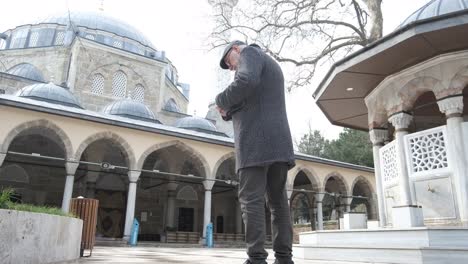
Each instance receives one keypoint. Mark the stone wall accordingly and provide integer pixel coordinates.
(10, 84)
(38, 238)
(92, 58)
(51, 61)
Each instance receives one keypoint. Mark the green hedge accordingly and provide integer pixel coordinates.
(6, 203)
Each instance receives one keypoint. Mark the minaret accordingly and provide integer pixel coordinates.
(223, 77)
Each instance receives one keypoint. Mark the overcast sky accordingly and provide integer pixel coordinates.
(180, 27)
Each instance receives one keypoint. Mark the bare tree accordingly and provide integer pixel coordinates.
(301, 32)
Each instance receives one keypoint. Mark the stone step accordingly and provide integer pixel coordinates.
(381, 255)
(388, 238)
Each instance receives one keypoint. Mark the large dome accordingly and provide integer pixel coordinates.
(436, 8)
(98, 21)
(131, 109)
(196, 123)
(28, 71)
(49, 92)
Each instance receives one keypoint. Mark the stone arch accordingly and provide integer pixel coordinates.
(179, 144)
(410, 92)
(368, 192)
(130, 156)
(14, 173)
(310, 175)
(48, 126)
(457, 84)
(343, 185)
(221, 160)
(365, 180)
(187, 193)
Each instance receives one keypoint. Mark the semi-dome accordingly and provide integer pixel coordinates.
(49, 92)
(98, 21)
(436, 8)
(197, 124)
(131, 109)
(172, 106)
(28, 71)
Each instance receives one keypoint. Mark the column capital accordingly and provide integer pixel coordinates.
(2, 158)
(172, 186)
(133, 175)
(378, 136)
(71, 166)
(347, 200)
(208, 185)
(451, 106)
(319, 197)
(401, 120)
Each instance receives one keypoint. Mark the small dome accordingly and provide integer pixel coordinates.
(436, 8)
(28, 71)
(172, 106)
(131, 109)
(49, 92)
(196, 123)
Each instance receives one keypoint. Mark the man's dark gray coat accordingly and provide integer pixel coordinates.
(261, 130)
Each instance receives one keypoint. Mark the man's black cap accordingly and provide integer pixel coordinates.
(226, 51)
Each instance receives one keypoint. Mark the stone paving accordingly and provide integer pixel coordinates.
(159, 255)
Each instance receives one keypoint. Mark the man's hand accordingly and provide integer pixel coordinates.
(221, 111)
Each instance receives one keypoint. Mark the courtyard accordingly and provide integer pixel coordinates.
(176, 255)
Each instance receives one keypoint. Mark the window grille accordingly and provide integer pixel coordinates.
(117, 43)
(59, 38)
(119, 84)
(139, 93)
(98, 84)
(33, 39)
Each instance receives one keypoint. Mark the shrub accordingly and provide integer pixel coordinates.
(6, 203)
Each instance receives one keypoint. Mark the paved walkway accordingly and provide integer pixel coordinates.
(159, 255)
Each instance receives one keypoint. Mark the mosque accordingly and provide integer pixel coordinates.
(90, 107)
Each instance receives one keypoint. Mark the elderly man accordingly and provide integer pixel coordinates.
(264, 152)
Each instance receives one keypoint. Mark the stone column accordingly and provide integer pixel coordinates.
(2, 158)
(347, 202)
(406, 214)
(70, 167)
(452, 107)
(289, 193)
(378, 137)
(171, 198)
(207, 209)
(130, 213)
(318, 199)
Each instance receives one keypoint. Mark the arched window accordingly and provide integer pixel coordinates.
(59, 38)
(19, 38)
(119, 84)
(98, 84)
(187, 193)
(89, 36)
(139, 93)
(117, 43)
(33, 39)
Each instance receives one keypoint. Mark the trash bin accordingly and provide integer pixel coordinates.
(134, 233)
(86, 209)
(209, 235)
